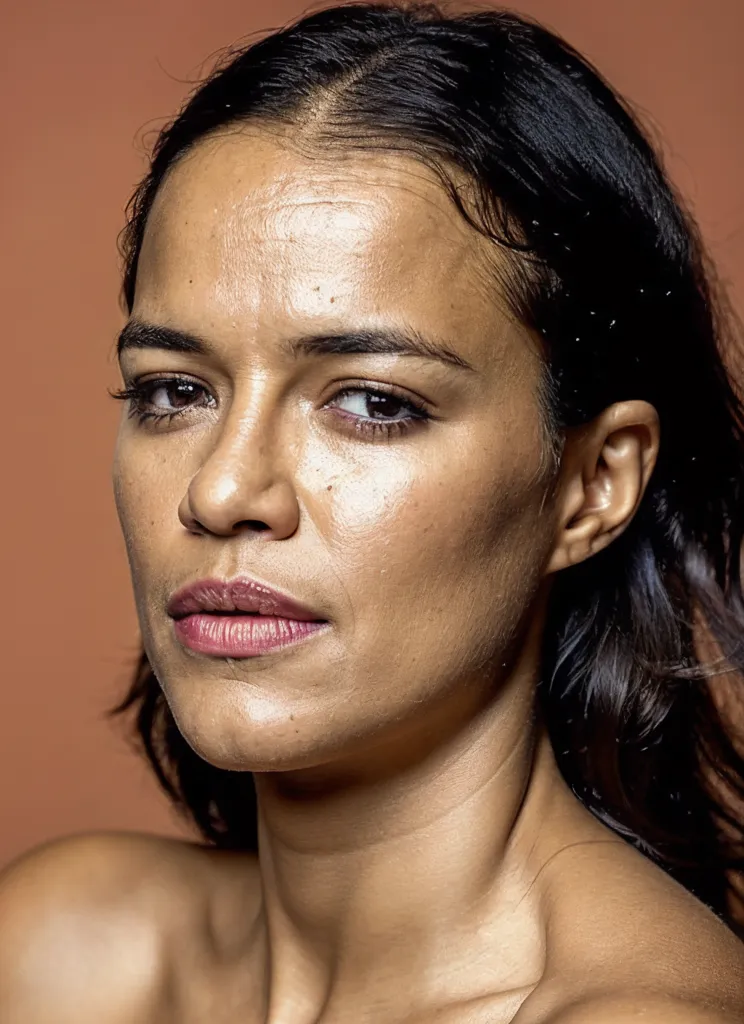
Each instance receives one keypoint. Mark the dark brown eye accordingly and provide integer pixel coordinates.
(164, 399)
(376, 405)
(377, 413)
(167, 396)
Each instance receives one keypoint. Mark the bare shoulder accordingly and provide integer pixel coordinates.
(86, 923)
(629, 943)
(629, 1008)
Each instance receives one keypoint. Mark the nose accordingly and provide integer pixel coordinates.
(243, 484)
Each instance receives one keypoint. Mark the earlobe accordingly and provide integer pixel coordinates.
(579, 540)
(605, 471)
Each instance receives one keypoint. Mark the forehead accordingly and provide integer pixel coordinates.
(248, 229)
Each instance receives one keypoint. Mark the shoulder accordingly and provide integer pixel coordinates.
(83, 927)
(626, 942)
(630, 1008)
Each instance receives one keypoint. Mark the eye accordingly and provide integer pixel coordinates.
(164, 398)
(376, 411)
(374, 404)
(171, 395)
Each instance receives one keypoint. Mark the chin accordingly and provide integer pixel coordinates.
(236, 726)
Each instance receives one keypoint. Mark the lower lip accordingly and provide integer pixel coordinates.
(242, 636)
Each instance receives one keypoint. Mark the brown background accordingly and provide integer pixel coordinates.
(82, 83)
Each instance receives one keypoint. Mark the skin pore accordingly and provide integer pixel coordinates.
(421, 856)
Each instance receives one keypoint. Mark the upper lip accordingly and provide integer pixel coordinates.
(242, 594)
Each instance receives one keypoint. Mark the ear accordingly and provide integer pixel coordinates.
(605, 467)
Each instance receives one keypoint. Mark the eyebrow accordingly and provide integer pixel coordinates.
(138, 334)
(388, 341)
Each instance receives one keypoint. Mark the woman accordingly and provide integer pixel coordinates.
(431, 479)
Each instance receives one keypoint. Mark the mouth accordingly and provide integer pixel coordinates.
(240, 596)
(240, 618)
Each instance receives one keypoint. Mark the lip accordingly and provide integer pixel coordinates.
(241, 594)
(240, 618)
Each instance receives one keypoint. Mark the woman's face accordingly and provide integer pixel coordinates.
(421, 541)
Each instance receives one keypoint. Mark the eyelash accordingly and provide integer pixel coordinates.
(137, 395)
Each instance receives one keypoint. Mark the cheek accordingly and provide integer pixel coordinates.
(443, 557)
(145, 484)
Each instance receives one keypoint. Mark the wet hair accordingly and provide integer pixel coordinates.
(601, 263)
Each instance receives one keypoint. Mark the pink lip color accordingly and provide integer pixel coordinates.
(241, 636)
(239, 618)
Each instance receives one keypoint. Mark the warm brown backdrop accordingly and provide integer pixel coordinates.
(81, 80)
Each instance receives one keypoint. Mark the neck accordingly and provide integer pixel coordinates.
(409, 869)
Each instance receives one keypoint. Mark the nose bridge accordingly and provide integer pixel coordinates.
(244, 476)
(239, 455)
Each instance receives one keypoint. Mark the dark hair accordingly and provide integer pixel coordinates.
(608, 272)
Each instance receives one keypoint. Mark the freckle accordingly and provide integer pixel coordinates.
(329, 487)
(333, 298)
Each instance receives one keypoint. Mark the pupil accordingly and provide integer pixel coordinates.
(182, 392)
(376, 400)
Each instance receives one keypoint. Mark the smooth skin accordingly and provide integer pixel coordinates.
(422, 859)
